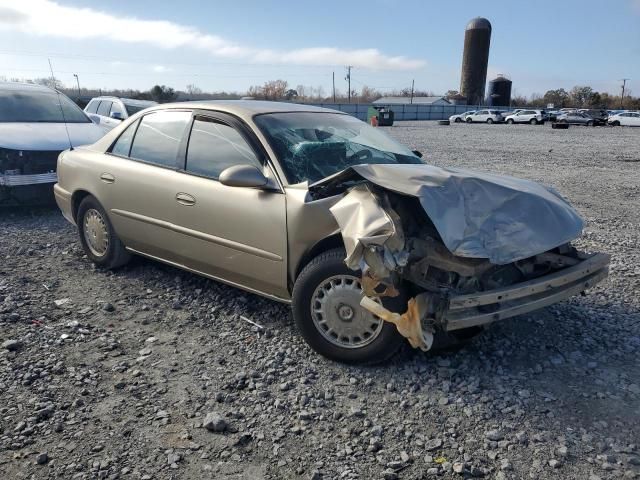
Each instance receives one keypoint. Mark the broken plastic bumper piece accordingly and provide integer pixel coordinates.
(469, 310)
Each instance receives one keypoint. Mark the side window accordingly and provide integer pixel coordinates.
(158, 137)
(115, 107)
(214, 146)
(123, 145)
(93, 106)
(104, 108)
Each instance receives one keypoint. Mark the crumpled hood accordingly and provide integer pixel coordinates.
(480, 215)
(47, 136)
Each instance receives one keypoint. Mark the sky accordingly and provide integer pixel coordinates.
(224, 45)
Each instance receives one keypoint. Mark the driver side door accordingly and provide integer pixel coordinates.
(235, 234)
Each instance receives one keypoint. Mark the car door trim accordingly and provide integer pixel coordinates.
(241, 247)
(213, 277)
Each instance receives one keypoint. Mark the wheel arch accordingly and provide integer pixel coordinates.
(324, 245)
(76, 199)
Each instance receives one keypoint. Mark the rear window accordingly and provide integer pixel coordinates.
(92, 107)
(158, 137)
(38, 107)
(104, 108)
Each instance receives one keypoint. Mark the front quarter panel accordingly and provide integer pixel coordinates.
(308, 223)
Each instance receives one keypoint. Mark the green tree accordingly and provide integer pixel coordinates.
(162, 94)
(581, 95)
(559, 97)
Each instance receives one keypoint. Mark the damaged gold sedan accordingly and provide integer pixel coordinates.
(313, 207)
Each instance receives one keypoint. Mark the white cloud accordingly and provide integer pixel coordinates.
(47, 18)
(160, 69)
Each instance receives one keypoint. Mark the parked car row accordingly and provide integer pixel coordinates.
(588, 117)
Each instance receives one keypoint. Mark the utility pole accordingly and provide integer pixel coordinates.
(333, 79)
(412, 84)
(78, 83)
(624, 83)
(348, 79)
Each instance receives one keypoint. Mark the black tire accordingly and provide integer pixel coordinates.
(533, 121)
(324, 266)
(589, 123)
(510, 121)
(458, 120)
(115, 255)
(615, 123)
(489, 121)
(468, 120)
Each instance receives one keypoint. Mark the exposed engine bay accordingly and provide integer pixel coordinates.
(398, 249)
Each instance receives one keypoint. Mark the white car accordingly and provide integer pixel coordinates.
(108, 112)
(460, 117)
(626, 119)
(36, 124)
(533, 117)
(485, 116)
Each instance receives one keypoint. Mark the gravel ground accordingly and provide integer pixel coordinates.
(151, 372)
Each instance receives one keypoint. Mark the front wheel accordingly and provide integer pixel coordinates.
(469, 120)
(510, 121)
(327, 312)
(458, 120)
(615, 123)
(97, 236)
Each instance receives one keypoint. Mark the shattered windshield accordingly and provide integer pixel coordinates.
(312, 146)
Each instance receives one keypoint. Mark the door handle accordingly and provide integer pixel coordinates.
(107, 178)
(185, 199)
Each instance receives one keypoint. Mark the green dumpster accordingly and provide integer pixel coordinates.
(383, 114)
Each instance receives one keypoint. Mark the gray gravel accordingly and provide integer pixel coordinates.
(150, 372)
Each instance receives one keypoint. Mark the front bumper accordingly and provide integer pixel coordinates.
(22, 180)
(482, 308)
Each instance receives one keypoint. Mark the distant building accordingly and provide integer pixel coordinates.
(416, 100)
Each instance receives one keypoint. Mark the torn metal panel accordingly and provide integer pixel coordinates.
(372, 234)
(477, 215)
(410, 323)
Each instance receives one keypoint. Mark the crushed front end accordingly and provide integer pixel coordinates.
(397, 247)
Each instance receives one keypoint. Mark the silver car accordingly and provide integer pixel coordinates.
(575, 118)
(315, 208)
(108, 112)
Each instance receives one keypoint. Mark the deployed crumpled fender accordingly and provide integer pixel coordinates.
(478, 215)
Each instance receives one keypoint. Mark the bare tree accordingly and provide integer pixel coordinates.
(193, 90)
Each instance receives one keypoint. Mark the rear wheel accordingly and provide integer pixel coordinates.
(97, 236)
(589, 123)
(533, 121)
(327, 312)
(489, 121)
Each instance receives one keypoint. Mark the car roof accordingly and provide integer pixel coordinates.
(245, 108)
(127, 101)
(24, 87)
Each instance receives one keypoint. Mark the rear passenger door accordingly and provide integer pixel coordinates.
(138, 178)
(236, 234)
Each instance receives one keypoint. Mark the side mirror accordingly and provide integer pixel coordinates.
(243, 176)
(417, 153)
(116, 116)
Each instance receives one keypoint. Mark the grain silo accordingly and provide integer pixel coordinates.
(499, 94)
(475, 58)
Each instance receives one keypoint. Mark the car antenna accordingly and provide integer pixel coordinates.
(64, 119)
